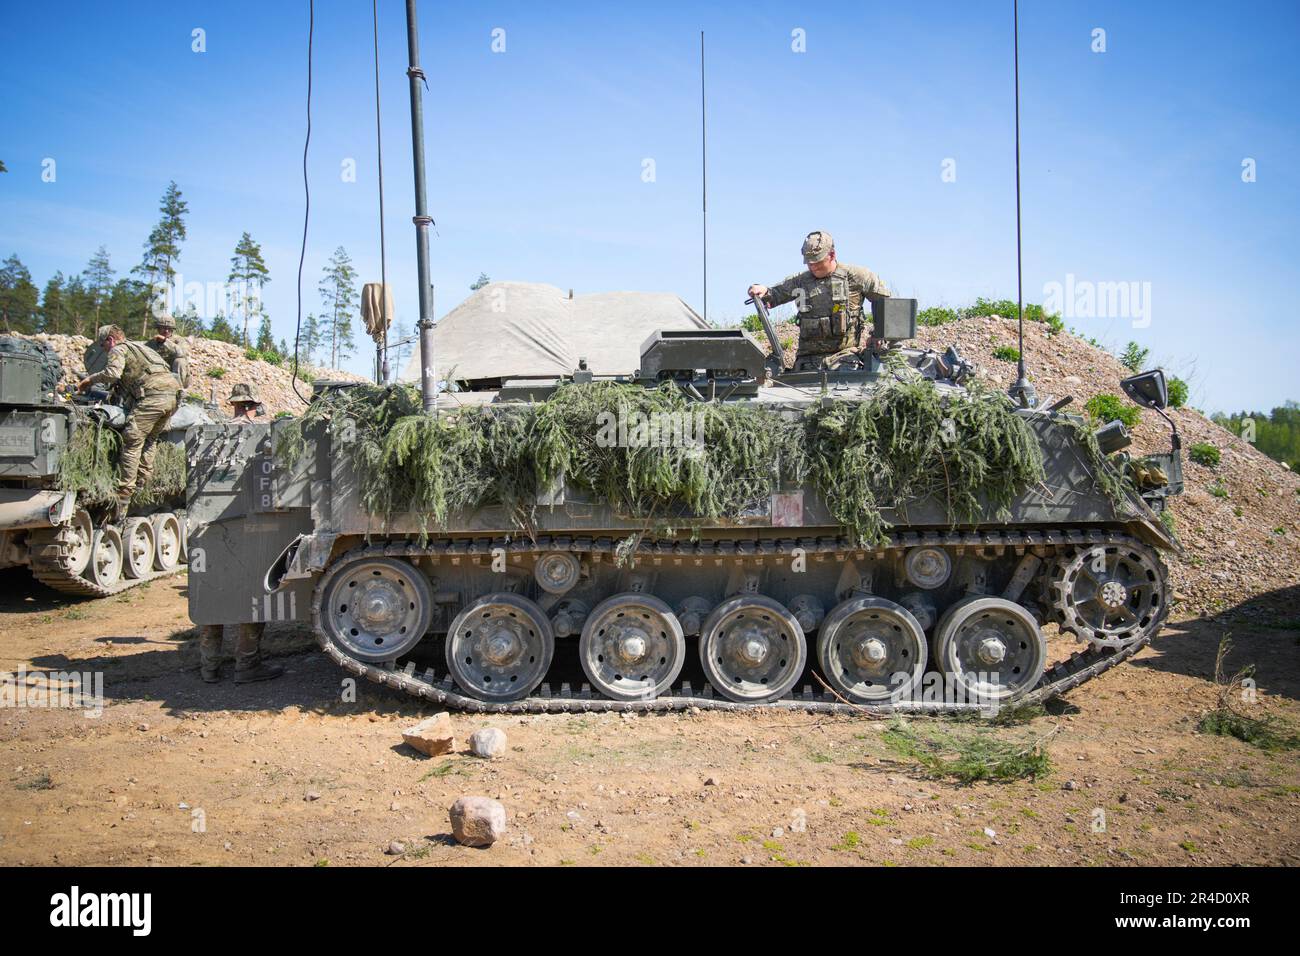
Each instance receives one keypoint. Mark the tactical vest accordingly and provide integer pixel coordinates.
(146, 371)
(830, 316)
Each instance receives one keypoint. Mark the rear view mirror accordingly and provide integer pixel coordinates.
(1147, 389)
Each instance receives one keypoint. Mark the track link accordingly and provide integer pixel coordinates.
(1059, 678)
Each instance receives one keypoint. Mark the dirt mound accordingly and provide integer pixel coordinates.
(1239, 521)
(274, 383)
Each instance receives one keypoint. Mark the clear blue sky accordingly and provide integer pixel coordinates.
(1132, 158)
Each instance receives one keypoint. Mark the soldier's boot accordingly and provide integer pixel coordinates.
(210, 653)
(258, 672)
(120, 509)
(249, 666)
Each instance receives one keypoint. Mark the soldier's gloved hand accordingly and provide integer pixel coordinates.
(757, 291)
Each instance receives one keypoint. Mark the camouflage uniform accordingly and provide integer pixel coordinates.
(830, 309)
(248, 649)
(173, 350)
(248, 646)
(141, 373)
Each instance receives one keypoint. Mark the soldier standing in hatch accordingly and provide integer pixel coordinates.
(141, 374)
(248, 648)
(830, 296)
(172, 348)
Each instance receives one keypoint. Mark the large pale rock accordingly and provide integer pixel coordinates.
(477, 821)
(488, 742)
(432, 736)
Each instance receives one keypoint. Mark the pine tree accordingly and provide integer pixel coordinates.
(222, 330)
(18, 297)
(338, 292)
(78, 307)
(480, 282)
(162, 249)
(53, 306)
(265, 340)
(309, 340)
(248, 273)
(129, 298)
(99, 282)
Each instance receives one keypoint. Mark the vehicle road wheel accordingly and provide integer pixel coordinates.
(632, 647)
(105, 565)
(377, 609)
(752, 649)
(991, 647)
(138, 547)
(81, 540)
(871, 650)
(167, 541)
(500, 647)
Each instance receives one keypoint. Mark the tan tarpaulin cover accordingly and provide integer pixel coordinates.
(520, 329)
(376, 319)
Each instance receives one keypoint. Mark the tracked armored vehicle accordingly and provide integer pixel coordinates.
(555, 587)
(56, 525)
(689, 525)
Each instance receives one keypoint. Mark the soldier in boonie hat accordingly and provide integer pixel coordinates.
(249, 665)
(247, 403)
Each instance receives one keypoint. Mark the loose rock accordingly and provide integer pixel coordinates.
(488, 742)
(432, 736)
(477, 821)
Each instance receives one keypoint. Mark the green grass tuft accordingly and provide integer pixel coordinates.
(967, 757)
(1203, 453)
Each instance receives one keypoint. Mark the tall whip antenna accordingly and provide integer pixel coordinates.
(1022, 391)
(704, 181)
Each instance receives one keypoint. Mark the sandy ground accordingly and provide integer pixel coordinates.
(180, 772)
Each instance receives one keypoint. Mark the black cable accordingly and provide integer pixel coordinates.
(306, 189)
(383, 262)
(1020, 305)
(704, 181)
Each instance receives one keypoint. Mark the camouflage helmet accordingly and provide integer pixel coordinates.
(164, 321)
(817, 245)
(244, 394)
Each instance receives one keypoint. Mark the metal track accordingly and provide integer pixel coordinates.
(50, 565)
(1059, 678)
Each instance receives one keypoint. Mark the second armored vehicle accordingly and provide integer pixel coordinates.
(55, 485)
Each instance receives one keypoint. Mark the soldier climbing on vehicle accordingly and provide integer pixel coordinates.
(144, 377)
(829, 296)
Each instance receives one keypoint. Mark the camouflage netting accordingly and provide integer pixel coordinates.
(909, 442)
(89, 467)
